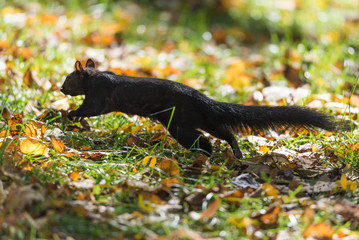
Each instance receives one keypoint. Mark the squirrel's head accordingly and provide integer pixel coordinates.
(76, 82)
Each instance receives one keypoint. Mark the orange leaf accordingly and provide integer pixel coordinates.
(211, 210)
(74, 176)
(26, 53)
(319, 231)
(270, 190)
(268, 216)
(354, 147)
(170, 166)
(264, 149)
(58, 144)
(168, 182)
(33, 146)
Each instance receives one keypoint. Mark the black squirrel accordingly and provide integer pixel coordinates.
(180, 108)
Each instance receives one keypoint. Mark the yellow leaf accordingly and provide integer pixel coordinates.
(136, 129)
(146, 160)
(344, 181)
(153, 162)
(14, 123)
(127, 128)
(156, 127)
(33, 146)
(314, 148)
(264, 149)
(353, 185)
(35, 129)
(142, 205)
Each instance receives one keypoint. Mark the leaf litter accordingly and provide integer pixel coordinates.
(44, 175)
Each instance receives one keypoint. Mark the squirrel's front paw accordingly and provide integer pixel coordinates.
(72, 116)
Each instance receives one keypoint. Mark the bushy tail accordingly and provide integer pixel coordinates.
(240, 117)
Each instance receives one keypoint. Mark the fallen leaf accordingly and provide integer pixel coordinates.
(170, 166)
(135, 140)
(270, 190)
(35, 129)
(264, 149)
(268, 216)
(244, 181)
(319, 231)
(58, 144)
(15, 123)
(344, 181)
(33, 146)
(74, 175)
(183, 234)
(6, 113)
(168, 182)
(28, 79)
(211, 210)
(20, 197)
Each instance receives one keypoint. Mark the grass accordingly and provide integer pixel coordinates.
(206, 47)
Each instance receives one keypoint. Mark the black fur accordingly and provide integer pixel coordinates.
(151, 97)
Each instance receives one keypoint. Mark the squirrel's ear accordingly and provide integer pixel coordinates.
(90, 63)
(78, 66)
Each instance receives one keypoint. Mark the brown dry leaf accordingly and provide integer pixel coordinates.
(234, 196)
(33, 146)
(6, 113)
(58, 144)
(28, 79)
(151, 197)
(95, 156)
(135, 140)
(211, 210)
(183, 234)
(21, 197)
(35, 129)
(270, 215)
(292, 75)
(74, 175)
(230, 159)
(319, 231)
(350, 212)
(308, 215)
(168, 182)
(170, 166)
